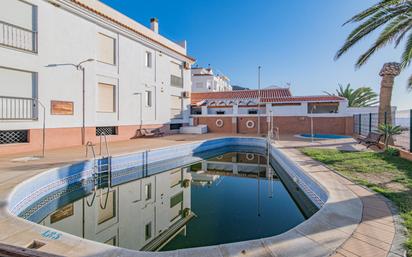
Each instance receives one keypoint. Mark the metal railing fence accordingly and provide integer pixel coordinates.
(18, 108)
(17, 37)
(365, 123)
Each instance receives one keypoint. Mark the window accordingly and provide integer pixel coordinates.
(106, 98)
(148, 96)
(148, 231)
(199, 85)
(111, 241)
(175, 177)
(19, 24)
(106, 49)
(323, 107)
(176, 206)
(110, 211)
(176, 77)
(220, 112)
(252, 112)
(16, 88)
(148, 60)
(176, 126)
(148, 191)
(176, 107)
(195, 111)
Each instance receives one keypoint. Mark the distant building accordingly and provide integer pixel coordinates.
(204, 80)
(238, 111)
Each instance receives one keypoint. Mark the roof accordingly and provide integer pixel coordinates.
(241, 94)
(320, 98)
(273, 95)
(114, 16)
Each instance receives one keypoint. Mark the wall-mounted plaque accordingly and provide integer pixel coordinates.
(62, 108)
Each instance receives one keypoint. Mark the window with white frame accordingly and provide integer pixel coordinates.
(176, 74)
(176, 107)
(199, 85)
(148, 97)
(18, 25)
(106, 94)
(148, 231)
(148, 191)
(148, 59)
(106, 49)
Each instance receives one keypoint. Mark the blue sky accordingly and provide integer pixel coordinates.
(293, 41)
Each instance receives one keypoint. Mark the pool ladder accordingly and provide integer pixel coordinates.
(96, 167)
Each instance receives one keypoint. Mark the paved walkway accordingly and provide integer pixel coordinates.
(374, 236)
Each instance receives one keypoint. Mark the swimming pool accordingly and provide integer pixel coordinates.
(324, 136)
(161, 199)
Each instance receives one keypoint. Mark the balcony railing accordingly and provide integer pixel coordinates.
(17, 37)
(18, 108)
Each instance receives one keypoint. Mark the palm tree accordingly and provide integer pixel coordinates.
(396, 15)
(389, 131)
(360, 97)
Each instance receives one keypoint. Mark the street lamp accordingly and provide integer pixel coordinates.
(258, 123)
(79, 67)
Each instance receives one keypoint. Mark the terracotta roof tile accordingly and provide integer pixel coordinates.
(241, 94)
(321, 98)
(278, 95)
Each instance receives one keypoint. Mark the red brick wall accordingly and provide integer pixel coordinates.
(286, 124)
(227, 127)
(67, 137)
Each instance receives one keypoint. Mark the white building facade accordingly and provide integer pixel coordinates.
(204, 80)
(133, 76)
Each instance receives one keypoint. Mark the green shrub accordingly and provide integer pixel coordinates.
(392, 151)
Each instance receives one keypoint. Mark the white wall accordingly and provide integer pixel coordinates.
(67, 37)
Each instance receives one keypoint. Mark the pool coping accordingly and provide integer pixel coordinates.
(320, 235)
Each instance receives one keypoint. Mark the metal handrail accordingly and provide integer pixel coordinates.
(16, 26)
(103, 136)
(90, 145)
(18, 108)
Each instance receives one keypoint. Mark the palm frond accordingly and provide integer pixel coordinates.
(389, 34)
(372, 10)
(407, 53)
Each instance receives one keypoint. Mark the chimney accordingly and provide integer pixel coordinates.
(154, 25)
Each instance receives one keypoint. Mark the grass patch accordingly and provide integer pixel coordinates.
(388, 175)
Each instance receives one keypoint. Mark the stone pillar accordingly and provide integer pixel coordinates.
(388, 73)
(204, 110)
(235, 109)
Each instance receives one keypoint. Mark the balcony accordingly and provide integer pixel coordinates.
(18, 108)
(17, 37)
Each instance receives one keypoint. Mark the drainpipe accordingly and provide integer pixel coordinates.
(83, 105)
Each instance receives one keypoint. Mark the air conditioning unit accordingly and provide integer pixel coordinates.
(186, 65)
(185, 94)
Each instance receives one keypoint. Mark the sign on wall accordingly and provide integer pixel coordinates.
(62, 108)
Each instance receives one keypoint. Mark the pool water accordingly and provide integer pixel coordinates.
(324, 136)
(231, 197)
